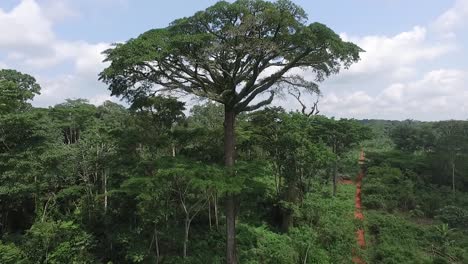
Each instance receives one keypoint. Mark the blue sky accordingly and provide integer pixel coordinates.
(414, 67)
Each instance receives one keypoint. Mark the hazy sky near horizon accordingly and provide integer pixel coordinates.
(415, 65)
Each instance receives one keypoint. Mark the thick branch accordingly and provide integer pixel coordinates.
(259, 105)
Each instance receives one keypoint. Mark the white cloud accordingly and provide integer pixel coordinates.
(30, 44)
(101, 98)
(59, 10)
(396, 54)
(86, 58)
(71, 86)
(90, 57)
(25, 28)
(401, 76)
(453, 19)
(28, 38)
(439, 94)
(398, 77)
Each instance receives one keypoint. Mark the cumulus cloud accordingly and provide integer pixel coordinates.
(71, 86)
(30, 40)
(439, 94)
(453, 19)
(29, 43)
(25, 28)
(400, 76)
(397, 54)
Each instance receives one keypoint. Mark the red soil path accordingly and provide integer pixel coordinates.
(360, 236)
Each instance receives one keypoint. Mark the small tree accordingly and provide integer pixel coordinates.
(340, 135)
(231, 53)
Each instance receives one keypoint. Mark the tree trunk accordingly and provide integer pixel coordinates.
(186, 235)
(157, 244)
(335, 171)
(290, 199)
(216, 210)
(105, 189)
(453, 176)
(209, 210)
(229, 159)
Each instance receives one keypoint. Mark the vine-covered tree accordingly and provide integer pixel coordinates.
(231, 53)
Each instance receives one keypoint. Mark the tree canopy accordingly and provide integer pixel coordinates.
(229, 53)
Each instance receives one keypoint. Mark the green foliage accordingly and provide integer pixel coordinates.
(11, 254)
(16, 89)
(261, 245)
(454, 216)
(387, 188)
(184, 52)
(104, 184)
(409, 138)
(340, 135)
(212, 55)
(394, 240)
(307, 243)
(331, 218)
(58, 242)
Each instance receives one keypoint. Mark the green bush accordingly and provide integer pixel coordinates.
(11, 254)
(260, 245)
(454, 216)
(332, 220)
(394, 240)
(389, 189)
(306, 243)
(58, 242)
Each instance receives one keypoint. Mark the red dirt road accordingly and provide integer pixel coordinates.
(360, 236)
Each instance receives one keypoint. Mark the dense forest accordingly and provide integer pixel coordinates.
(145, 184)
(231, 179)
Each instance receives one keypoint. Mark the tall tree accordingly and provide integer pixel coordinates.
(16, 89)
(451, 144)
(412, 136)
(231, 53)
(295, 154)
(22, 136)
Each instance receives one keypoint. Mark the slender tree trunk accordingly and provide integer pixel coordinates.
(216, 210)
(229, 159)
(4, 221)
(453, 176)
(44, 213)
(105, 189)
(335, 171)
(306, 254)
(209, 210)
(96, 166)
(186, 235)
(157, 244)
